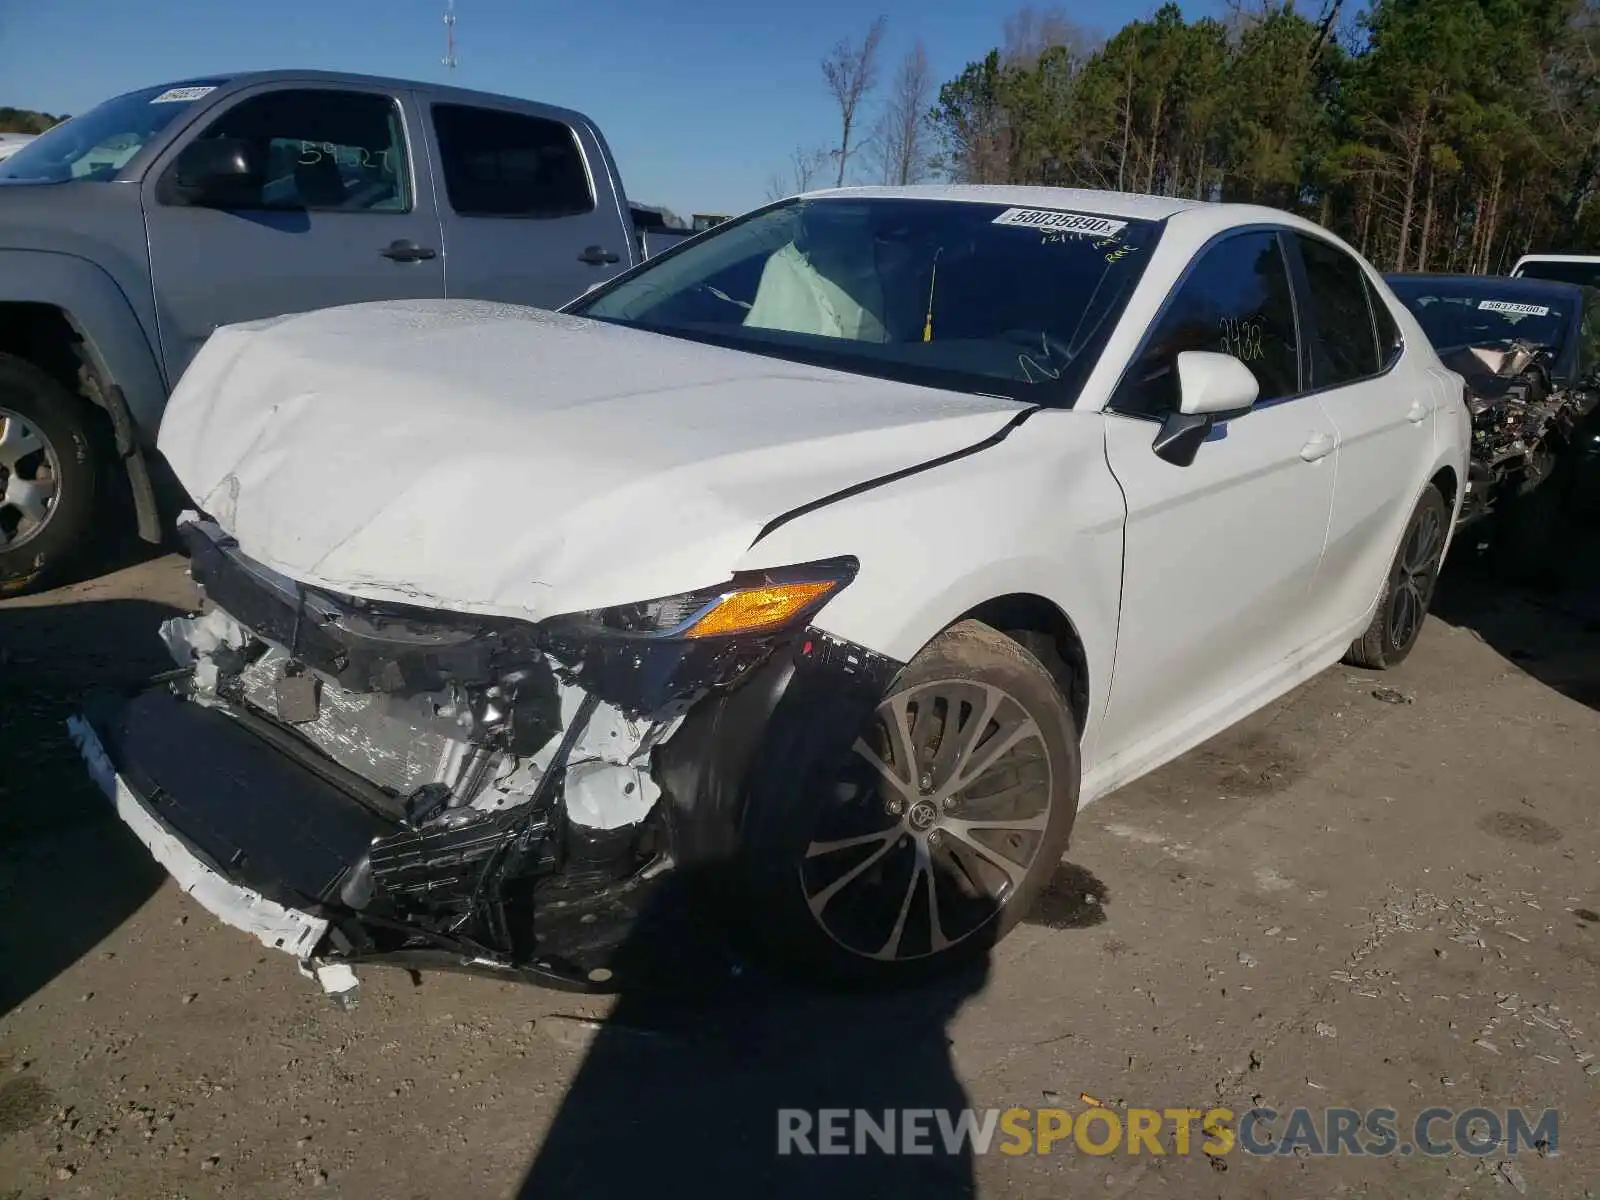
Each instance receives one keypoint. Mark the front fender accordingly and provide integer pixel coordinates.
(1037, 513)
(99, 310)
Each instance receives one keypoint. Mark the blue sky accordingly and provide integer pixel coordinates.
(702, 100)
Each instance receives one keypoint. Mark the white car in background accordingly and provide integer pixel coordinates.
(1582, 269)
(835, 557)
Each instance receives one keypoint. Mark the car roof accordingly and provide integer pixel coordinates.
(1200, 217)
(1505, 285)
(1576, 258)
(1127, 205)
(238, 79)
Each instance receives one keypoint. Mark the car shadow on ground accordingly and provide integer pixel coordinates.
(687, 1081)
(1553, 635)
(70, 873)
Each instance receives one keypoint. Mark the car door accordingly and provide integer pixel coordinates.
(1382, 405)
(338, 217)
(530, 216)
(1219, 555)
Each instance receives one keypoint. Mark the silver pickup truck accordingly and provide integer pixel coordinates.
(129, 233)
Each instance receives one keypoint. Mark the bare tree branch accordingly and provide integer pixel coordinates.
(851, 72)
(804, 166)
(903, 144)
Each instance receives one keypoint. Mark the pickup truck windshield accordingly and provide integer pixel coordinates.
(975, 297)
(96, 145)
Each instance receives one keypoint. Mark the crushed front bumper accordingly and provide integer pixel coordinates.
(270, 836)
(275, 926)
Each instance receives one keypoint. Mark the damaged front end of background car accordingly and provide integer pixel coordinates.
(1524, 425)
(362, 782)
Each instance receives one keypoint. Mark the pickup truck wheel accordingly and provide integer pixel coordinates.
(945, 825)
(47, 477)
(1407, 589)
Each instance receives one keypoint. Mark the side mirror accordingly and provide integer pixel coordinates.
(1210, 385)
(219, 173)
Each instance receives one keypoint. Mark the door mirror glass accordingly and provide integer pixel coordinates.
(218, 172)
(1210, 384)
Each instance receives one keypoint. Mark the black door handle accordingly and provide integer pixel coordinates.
(595, 256)
(406, 251)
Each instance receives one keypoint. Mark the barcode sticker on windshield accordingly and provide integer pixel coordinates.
(1521, 310)
(1056, 220)
(182, 95)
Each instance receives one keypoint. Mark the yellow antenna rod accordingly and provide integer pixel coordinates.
(933, 282)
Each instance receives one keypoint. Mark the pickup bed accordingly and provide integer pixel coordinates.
(130, 233)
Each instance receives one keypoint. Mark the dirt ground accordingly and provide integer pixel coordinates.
(1355, 898)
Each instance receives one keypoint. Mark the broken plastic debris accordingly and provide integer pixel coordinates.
(1390, 696)
(1508, 1171)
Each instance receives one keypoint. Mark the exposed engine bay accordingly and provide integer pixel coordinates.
(390, 783)
(1521, 420)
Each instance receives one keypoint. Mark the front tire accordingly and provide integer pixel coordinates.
(948, 820)
(1407, 589)
(48, 477)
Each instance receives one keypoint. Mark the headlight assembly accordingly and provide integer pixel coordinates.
(756, 603)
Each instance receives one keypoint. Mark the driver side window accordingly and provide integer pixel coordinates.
(1236, 300)
(324, 151)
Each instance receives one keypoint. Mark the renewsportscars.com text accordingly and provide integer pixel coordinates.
(1377, 1132)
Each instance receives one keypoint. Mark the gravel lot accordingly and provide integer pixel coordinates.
(1351, 899)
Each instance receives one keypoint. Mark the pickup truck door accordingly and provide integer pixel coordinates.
(344, 213)
(529, 202)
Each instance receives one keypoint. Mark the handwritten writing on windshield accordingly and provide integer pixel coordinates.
(1114, 250)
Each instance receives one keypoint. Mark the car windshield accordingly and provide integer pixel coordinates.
(96, 145)
(982, 298)
(1478, 312)
(1562, 271)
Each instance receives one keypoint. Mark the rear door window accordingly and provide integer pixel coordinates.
(1390, 343)
(1236, 300)
(505, 164)
(1346, 347)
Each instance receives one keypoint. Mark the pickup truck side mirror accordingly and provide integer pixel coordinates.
(219, 173)
(1211, 386)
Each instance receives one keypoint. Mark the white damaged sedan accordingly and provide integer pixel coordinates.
(830, 561)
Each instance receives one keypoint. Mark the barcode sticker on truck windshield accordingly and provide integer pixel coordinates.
(1517, 310)
(182, 95)
(1055, 220)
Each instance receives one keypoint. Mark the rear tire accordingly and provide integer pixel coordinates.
(48, 477)
(1407, 588)
(897, 877)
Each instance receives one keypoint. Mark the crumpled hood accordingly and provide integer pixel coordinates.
(496, 459)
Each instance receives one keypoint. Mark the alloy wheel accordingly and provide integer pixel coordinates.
(933, 825)
(29, 480)
(1416, 572)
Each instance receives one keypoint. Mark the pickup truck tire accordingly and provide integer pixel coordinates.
(48, 477)
(1407, 588)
